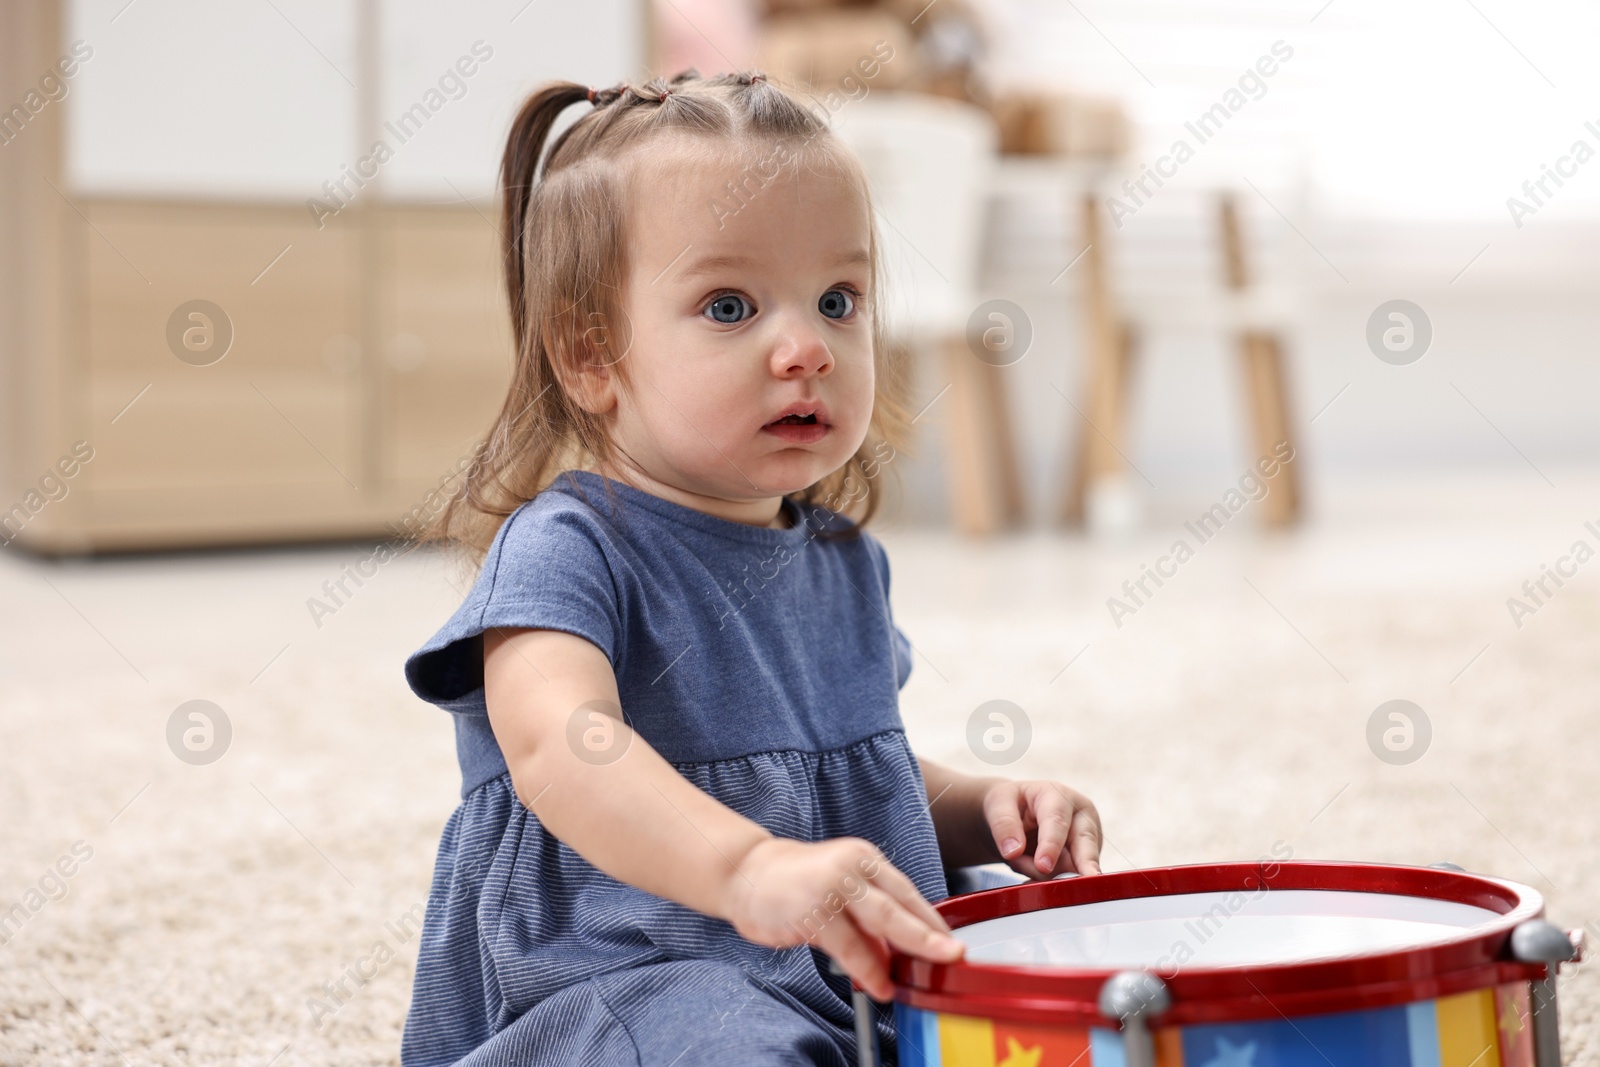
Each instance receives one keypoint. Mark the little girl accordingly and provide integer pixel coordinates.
(685, 782)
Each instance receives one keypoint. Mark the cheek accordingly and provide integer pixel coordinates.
(858, 382)
(680, 396)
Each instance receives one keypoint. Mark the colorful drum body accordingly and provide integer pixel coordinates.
(1260, 965)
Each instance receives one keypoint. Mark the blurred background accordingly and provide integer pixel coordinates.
(1305, 288)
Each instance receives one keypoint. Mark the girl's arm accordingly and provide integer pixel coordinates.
(640, 821)
(1029, 825)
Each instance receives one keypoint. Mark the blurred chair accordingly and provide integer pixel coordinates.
(1173, 285)
(1259, 316)
(930, 163)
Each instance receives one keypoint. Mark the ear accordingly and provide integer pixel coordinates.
(591, 375)
(591, 385)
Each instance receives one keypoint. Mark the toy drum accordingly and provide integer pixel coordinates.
(1240, 965)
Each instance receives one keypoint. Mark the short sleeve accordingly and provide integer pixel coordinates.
(546, 569)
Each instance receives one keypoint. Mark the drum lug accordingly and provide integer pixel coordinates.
(866, 1027)
(1130, 997)
(1537, 941)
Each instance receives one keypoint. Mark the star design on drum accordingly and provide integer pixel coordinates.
(1510, 1020)
(1231, 1055)
(1017, 1056)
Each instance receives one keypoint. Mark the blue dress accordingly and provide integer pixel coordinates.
(764, 664)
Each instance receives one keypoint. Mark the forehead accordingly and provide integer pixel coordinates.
(763, 202)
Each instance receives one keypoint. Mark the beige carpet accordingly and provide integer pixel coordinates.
(219, 904)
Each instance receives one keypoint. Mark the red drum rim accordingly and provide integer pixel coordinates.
(1069, 996)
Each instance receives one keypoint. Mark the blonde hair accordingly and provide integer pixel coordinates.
(566, 257)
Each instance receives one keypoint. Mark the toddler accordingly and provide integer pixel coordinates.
(686, 787)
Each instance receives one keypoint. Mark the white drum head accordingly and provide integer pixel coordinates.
(1233, 929)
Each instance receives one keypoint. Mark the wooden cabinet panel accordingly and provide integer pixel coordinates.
(447, 337)
(366, 358)
(281, 406)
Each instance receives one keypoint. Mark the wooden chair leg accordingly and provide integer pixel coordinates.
(1100, 427)
(974, 496)
(1263, 359)
(1006, 467)
(1262, 356)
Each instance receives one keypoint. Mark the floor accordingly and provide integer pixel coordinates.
(254, 910)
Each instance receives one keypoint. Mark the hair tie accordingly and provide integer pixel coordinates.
(591, 94)
(664, 94)
(757, 77)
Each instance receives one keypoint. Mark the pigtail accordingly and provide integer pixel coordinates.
(518, 173)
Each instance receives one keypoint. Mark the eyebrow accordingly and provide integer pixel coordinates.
(711, 264)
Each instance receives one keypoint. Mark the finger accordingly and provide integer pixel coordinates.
(1052, 809)
(879, 913)
(857, 956)
(1002, 811)
(1023, 864)
(889, 878)
(1085, 841)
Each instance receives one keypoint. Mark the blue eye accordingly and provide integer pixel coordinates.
(729, 308)
(836, 303)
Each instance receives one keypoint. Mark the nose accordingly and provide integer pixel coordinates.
(801, 353)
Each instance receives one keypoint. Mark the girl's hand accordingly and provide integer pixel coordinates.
(841, 896)
(1043, 828)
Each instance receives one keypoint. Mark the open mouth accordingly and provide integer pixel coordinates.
(800, 426)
